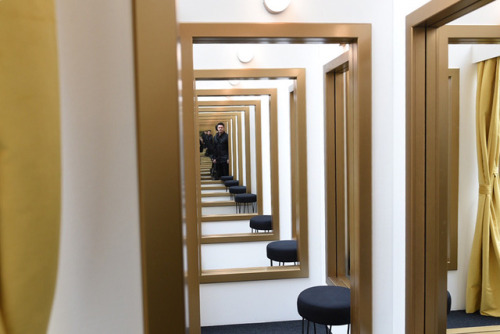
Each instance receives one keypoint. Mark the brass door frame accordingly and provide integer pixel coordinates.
(359, 38)
(426, 93)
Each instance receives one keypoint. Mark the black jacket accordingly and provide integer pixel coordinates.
(221, 148)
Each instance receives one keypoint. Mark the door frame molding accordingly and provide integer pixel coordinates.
(426, 93)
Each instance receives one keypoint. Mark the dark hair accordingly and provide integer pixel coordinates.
(217, 126)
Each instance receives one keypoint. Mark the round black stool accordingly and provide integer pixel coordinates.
(243, 201)
(231, 183)
(261, 223)
(237, 190)
(325, 305)
(282, 251)
(226, 178)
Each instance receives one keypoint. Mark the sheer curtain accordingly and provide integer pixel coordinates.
(29, 165)
(483, 281)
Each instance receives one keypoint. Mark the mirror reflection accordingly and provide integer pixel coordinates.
(224, 229)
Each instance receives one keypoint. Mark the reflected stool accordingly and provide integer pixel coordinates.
(231, 183)
(226, 178)
(448, 303)
(237, 190)
(326, 305)
(261, 223)
(245, 201)
(282, 251)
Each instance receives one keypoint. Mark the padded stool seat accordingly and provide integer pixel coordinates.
(244, 200)
(226, 178)
(261, 223)
(237, 190)
(231, 183)
(326, 305)
(282, 251)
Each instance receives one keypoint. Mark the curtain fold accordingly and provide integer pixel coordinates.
(483, 280)
(30, 168)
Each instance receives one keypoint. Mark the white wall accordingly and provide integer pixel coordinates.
(99, 279)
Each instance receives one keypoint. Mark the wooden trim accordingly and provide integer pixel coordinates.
(453, 164)
(427, 212)
(161, 244)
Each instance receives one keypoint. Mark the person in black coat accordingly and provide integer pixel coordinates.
(220, 155)
(209, 143)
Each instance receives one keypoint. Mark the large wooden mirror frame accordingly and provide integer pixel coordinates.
(208, 118)
(426, 206)
(273, 136)
(245, 105)
(359, 38)
(232, 121)
(260, 273)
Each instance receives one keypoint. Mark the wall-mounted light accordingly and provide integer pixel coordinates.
(245, 54)
(276, 6)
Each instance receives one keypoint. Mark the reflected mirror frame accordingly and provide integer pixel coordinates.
(233, 128)
(275, 234)
(243, 114)
(426, 93)
(359, 36)
(218, 112)
(297, 74)
(245, 104)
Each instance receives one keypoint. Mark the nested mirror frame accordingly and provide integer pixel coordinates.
(246, 179)
(359, 38)
(207, 118)
(232, 124)
(426, 199)
(259, 273)
(245, 105)
(272, 94)
(298, 155)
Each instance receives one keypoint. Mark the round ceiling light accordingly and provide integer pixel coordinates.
(276, 6)
(245, 54)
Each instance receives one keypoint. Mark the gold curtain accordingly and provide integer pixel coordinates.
(29, 165)
(483, 281)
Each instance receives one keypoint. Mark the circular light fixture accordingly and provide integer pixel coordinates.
(276, 6)
(245, 54)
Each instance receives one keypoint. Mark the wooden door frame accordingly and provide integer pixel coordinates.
(426, 94)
